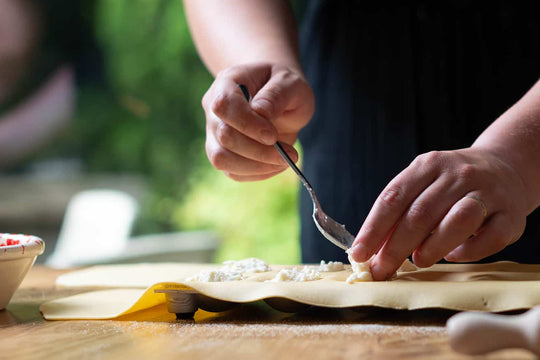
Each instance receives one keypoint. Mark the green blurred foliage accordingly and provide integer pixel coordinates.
(149, 121)
(256, 219)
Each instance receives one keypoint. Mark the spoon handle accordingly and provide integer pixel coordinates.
(293, 166)
(280, 149)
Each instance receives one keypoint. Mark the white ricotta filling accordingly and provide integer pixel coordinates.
(361, 271)
(216, 275)
(407, 266)
(237, 270)
(231, 271)
(305, 274)
(331, 266)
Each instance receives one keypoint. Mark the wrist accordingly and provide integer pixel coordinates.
(515, 163)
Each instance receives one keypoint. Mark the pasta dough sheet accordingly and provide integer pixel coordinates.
(493, 287)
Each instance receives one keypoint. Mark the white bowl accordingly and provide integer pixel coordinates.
(17, 255)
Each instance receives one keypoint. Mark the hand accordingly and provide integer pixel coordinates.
(462, 205)
(240, 135)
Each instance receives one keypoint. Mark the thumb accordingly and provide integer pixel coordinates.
(285, 91)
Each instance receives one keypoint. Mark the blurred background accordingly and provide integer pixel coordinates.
(105, 95)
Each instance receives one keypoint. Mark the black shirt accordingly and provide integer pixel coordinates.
(396, 79)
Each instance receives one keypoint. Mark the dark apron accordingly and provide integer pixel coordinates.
(396, 80)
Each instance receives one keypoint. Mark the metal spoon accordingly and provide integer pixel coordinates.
(331, 229)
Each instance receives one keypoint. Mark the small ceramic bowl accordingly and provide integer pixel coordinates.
(17, 255)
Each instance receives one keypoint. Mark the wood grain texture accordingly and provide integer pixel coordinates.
(246, 332)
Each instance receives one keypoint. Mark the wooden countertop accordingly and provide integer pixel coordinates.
(247, 332)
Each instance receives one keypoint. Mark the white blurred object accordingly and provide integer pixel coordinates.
(96, 230)
(183, 246)
(97, 225)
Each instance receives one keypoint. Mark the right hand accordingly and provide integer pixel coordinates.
(240, 135)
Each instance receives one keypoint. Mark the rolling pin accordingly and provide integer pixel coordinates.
(480, 333)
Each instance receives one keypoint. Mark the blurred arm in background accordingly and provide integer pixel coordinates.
(38, 118)
(35, 118)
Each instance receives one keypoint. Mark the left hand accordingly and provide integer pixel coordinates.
(462, 205)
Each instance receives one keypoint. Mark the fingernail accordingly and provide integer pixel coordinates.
(451, 256)
(267, 137)
(357, 252)
(454, 255)
(378, 272)
(375, 269)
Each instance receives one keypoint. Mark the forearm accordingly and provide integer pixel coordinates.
(38, 118)
(233, 32)
(515, 137)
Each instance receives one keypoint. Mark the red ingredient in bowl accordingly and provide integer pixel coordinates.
(10, 242)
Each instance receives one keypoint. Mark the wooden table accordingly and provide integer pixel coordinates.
(252, 331)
